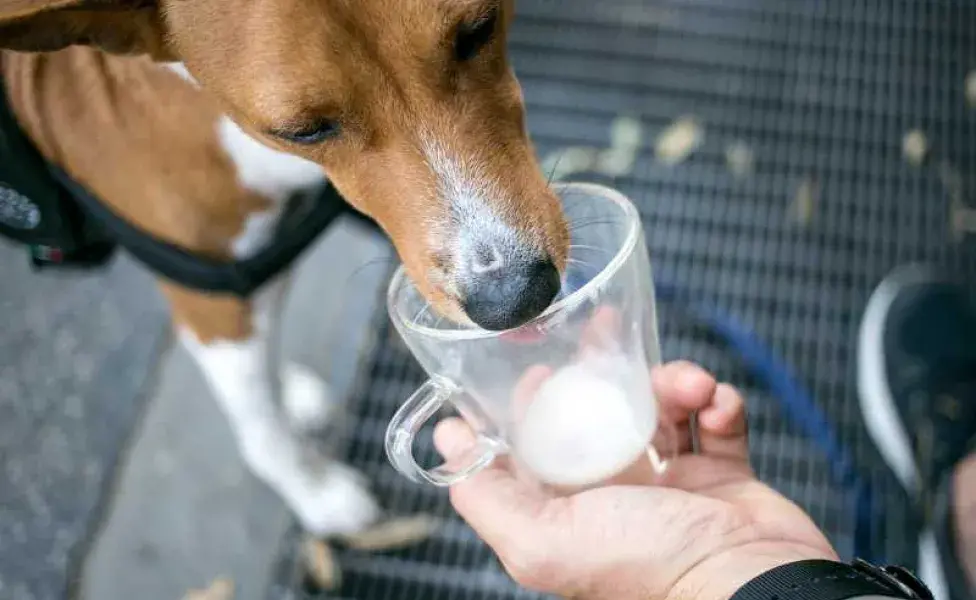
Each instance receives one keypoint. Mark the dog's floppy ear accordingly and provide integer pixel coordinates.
(118, 26)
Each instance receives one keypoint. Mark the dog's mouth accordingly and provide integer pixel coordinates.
(498, 296)
(493, 272)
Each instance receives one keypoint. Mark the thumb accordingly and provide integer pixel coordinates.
(503, 510)
(453, 438)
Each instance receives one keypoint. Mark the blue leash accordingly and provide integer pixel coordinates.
(797, 404)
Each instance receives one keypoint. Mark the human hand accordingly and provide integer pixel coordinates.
(705, 530)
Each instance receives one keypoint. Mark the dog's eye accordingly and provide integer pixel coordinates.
(312, 134)
(472, 37)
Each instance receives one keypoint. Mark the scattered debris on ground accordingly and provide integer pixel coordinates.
(915, 147)
(962, 219)
(970, 88)
(569, 161)
(678, 141)
(394, 533)
(739, 158)
(320, 565)
(673, 146)
(626, 134)
(804, 202)
(617, 160)
(219, 589)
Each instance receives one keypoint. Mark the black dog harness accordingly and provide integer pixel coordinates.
(64, 225)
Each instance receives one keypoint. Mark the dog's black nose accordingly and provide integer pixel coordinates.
(505, 292)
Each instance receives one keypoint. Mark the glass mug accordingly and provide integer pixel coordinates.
(567, 397)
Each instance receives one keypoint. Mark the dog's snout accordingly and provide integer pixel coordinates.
(487, 259)
(502, 292)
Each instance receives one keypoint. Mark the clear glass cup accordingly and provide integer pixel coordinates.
(567, 397)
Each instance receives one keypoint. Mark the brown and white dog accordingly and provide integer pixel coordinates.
(195, 119)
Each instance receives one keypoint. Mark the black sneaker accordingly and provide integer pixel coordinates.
(917, 388)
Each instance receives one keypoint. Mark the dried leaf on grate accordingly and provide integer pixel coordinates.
(394, 533)
(804, 202)
(970, 88)
(321, 567)
(678, 141)
(619, 159)
(562, 163)
(219, 589)
(915, 147)
(739, 159)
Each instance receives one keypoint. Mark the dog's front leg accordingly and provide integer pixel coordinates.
(236, 345)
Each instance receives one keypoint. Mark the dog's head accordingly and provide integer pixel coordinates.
(410, 106)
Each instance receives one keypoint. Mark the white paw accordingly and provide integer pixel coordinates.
(306, 398)
(338, 503)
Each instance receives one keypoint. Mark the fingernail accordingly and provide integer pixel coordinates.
(452, 438)
(728, 400)
(709, 419)
(722, 402)
(688, 378)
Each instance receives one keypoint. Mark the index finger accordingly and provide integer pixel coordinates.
(494, 502)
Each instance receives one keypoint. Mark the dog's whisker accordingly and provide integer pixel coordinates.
(588, 247)
(422, 312)
(555, 168)
(575, 197)
(576, 226)
(580, 263)
(375, 262)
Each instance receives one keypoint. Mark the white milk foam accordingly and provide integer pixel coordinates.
(582, 429)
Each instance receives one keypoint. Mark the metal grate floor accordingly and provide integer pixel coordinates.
(821, 92)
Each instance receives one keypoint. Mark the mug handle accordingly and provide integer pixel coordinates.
(408, 421)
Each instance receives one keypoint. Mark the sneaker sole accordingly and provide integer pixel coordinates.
(881, 418)
(877, 404)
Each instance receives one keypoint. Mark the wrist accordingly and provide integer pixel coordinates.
(720, 576)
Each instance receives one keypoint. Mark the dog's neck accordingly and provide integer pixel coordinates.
(110, 103)
(264, 170)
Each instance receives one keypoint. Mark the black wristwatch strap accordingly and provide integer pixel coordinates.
(828, 580)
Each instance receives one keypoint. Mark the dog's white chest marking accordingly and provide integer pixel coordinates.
(273, 174)
(268, 172)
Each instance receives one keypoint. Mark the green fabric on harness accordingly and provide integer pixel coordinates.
(35, 210)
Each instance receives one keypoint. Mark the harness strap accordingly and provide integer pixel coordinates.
(66, 225)
(300, 227)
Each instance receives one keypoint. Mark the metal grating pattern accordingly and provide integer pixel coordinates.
(821, 91)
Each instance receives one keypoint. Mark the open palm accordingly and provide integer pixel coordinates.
(701, 531)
